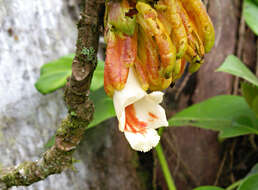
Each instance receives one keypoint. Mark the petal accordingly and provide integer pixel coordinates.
(150, 112)
(131, 93)
(156, 96)
(143, 141)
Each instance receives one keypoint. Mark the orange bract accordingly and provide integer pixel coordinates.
(120, 55)
(176, 29)
(147, 18)
(141, 72)
(198, 13)
(162, 35)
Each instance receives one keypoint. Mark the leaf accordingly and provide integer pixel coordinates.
(98, 77)
(254, 170)
(50, 82)
(104, 108)
(230, 115)
(250, 94)
(208, 188)
(235, 67)
(250, 13)
(53, 75)
(250, 183)
(62, 64)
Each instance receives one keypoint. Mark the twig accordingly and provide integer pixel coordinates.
(239, 50)
(182, 163)
(220, 170)
(70, 133)
(252, 141)
(182, 86)
(231, 153)
(256, 58)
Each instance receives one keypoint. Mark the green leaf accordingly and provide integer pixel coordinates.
(104, 108)
(208, 188)
(250, 94)
(60, 65)
(230, 115)
(50, 82)
(254, 170)
(235, 67)
(250, 13)
(98, 77)
(250, 183)
(53, 75)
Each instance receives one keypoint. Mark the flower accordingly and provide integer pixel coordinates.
(139, 114)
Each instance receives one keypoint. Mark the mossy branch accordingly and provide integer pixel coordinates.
(70, 133)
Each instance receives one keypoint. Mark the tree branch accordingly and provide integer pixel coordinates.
(70, 133)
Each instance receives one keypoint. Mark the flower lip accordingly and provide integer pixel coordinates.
(143, 142)
(139, 114)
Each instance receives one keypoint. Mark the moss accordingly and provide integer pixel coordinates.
(89, 53)
(63, 129)
(73, 113)
(69, 125)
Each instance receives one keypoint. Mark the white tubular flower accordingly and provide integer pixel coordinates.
(139, 114)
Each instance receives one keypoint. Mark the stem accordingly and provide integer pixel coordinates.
(234, 185)
(164, 165)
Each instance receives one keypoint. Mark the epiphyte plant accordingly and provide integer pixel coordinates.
(148, 45)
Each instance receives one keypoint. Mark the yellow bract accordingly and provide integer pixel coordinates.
(156, 38)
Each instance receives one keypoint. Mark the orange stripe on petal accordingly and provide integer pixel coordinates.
(153, 115)
(132, 124)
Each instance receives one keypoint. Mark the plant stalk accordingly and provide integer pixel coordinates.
(164, 165)
(234, 185)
